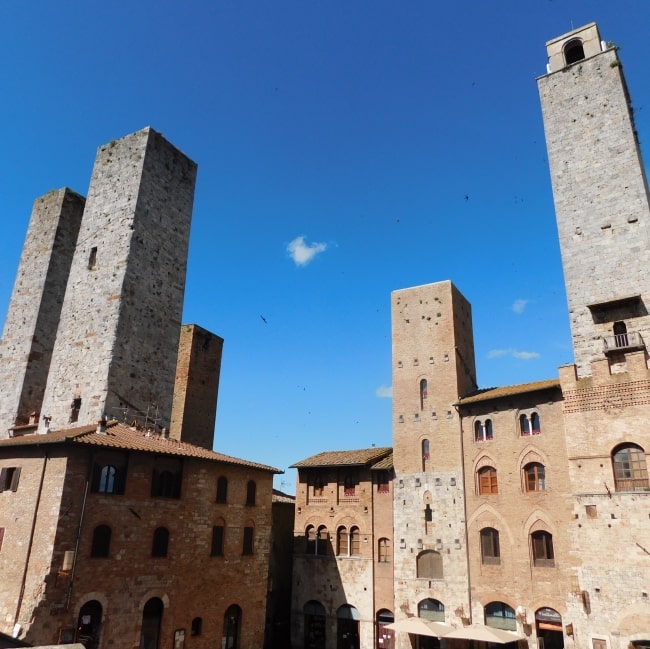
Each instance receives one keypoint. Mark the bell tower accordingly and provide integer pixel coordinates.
(601, 197)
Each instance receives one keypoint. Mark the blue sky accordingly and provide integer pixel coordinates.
(345, 150)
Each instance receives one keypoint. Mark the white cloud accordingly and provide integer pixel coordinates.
(518, 306)
(384, 392)
(302, 253)
(522, 356)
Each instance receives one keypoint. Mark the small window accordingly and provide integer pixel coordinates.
(342, 542)
(630, 469)
(429, 565)
(247, 548)
(383, 551)
(490, 552)
(9, 477)
(322, 541)
(428, 513)
(109, 474)
(524, 425)
(197, 626)
(216, 547)
(75, 407)
(535, 477)
(349, 485)
(318, 487)
(483, 430)
(222, 490)
(160, 542)
(251, 489)
(355, 542)
(101, 544)
(574, 51)
(487, 481)
(542, 543)
(423, 393)
(92, 258)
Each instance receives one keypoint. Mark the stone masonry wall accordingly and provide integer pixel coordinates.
(35, 306)
(118, 335)
(601, 196)
(196, 386)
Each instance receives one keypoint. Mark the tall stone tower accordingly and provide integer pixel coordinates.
(433, 366)
(115, 349)
(35, 307)
(197, 386)
(601, 197)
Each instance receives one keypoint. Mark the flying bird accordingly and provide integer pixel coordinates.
(263, 319)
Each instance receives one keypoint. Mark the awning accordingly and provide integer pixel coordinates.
(420, 626)
(484, 634)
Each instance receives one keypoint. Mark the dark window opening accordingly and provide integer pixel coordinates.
(247, 548)
(75, 407)
(231, 628)
(197, 626)
(222, 490)
(535, 476)
(251, 489)
(216, 547)
(9, 477)
(152, 615)
(490, 552)
(167, 479)
(542, 550)
(574, 51)
(92, 259)
(160, 542)
(89, 624)
(101, 544)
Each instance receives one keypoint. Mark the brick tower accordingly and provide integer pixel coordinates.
(433, 366)
(601, 197)
(115, 349)
(35, 307)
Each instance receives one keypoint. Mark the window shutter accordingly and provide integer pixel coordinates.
(3, 479)
(15, 478)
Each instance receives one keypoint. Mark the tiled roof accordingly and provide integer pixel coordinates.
(280, 497)
(509, 390)
(362, 457)
(384, 463)
(123, 437)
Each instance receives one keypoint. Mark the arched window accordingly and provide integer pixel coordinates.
(347, 627)
(89, 624)
(107, 479)
(630, 469)
(423, 393)
(167, 478)
(231, 628)
(152, 615)
(483, 430)
(160, 542)
(535, 477)
(542, 547)
(524, 425)
(432, 610)
(429, 565)
(101, 542)
(620, 334)
(222, 490)
(342, 544)
(322, 541)
(251, 489)
(355, 542)
(314, 624)
(487, 481)
(425, 454)
(490, 552)
(383, 550)
(499, 615)
(197, 626)
(310, 538)
(574, 51)
(247, 541)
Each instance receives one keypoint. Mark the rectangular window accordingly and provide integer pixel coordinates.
(248, 541)
(9, 477)
(383, 481)
(216, 549)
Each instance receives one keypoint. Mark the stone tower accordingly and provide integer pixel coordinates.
(35, 307)
(601, 197)
(115, 349)
(197, 386)
(433, 366)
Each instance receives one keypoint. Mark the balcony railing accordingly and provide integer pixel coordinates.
(632, 484)
(623, 342)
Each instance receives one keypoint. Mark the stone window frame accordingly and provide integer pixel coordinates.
(9, 478)
(489, 542)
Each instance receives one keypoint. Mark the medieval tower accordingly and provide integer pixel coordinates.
(433, 366)
(601, 197)
(112, 351)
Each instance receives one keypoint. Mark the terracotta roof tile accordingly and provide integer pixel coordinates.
(509, 390)
(361, 457)
(126, 438)
(384, 463)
